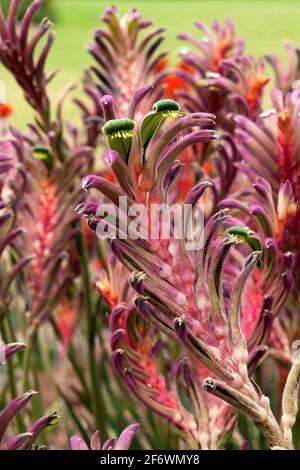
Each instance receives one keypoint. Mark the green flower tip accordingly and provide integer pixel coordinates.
(119, 128)
(41, 152)
(240, 231)
(167, 108)
(245, 234)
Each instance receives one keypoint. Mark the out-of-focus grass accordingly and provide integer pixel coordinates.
(263, 24)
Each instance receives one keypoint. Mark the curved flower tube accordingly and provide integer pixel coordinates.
(13, 182)
(26, 440)
(271, 147)
(218, 42)
(186, 295)
(286, 76)
(17, 54)
(51, 160)
(122, 443)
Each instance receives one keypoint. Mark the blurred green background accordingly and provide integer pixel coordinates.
(264, 25)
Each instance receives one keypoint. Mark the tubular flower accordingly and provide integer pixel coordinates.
(122, 443)
(134, 357)
(66, 321)
(286, 76)
(172, 82)
(271, 147)
(8, 350)
(190, 295)
(125, 62)
(135, 351)
(12, 187)
(204, 64)
(238, 87)
(112, 283)
(215, 419)
(243, 80)
(50, 230)
(267, 292)
(219, 42)
(17, 54)
(137, 174)
(51, 160)
(24, 441)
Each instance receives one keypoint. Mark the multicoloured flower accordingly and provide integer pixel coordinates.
(26, 440)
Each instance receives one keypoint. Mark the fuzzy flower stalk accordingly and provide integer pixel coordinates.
(126, 52)
(51, 160)
(193, 296)
(17, 54)
(12, 187)
(271, 147)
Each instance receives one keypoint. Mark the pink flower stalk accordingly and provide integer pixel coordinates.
(51, 160)
(286, 76)
(134, 357)
(24, 441)
(195, 298)
(48, 223)
(218, 42)
(122, 443)
(124, 62)
(272, 148)
(272, 281)
(135, 354)
(12, 187)
(17, 54)
(242, 80)
(237, 86)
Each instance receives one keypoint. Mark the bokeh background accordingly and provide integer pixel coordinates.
(264, 25)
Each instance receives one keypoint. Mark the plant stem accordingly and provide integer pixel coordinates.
(273, 433)
(37, 404)
(96, 391)
(76, 366)
(26, 366)
(48, 368)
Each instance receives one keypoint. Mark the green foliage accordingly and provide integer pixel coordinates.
(46, 10)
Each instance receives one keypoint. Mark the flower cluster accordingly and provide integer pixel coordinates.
(124, 62)
(182, 314)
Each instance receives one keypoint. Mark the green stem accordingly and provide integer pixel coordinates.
(37, 404)
(78, 371)
(26, 366)
(47, 366)
(72, 358)
(96, 391)
(73, 415)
